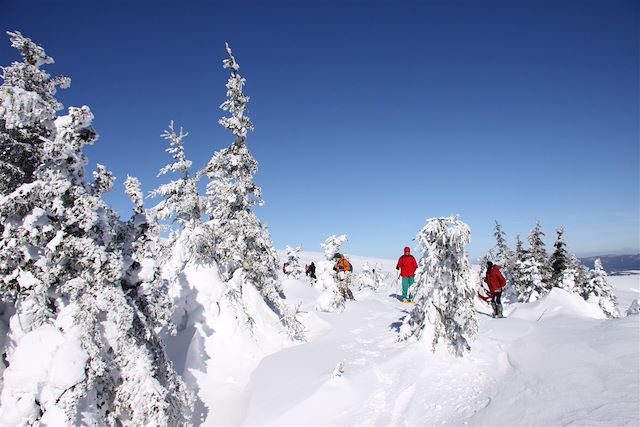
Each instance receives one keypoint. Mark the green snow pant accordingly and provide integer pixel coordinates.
(406, 283)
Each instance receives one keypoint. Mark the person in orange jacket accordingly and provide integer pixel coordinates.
(496, 282)
(407, 265)
(343, 269)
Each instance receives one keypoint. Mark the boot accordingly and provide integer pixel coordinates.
(499, 311)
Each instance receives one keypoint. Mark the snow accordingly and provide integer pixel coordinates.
(45, 363)
(555, 361)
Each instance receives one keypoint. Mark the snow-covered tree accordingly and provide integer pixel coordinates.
(331, 299)
(599, 290)
(241, 243)
(181, 201)
(61, 263)
(369, 278)
(528, 278)
(560, 260)
(293, 267)
(332, 244)
(143, 258)
(445, 295)
(538, 252)
(27, 112)
(502, 256)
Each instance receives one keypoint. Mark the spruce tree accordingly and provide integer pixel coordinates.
(504, 257)
(538, 253)
(293, 267)
(560, 260)
(599, 290)
(445, 295)
(27, 112)
(527, 278)
(331, 299)
(369, 278)
(241, 243)
(62, 263)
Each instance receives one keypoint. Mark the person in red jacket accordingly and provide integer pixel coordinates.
(496, 282)
(407, 265)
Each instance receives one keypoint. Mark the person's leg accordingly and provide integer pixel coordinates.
(411, 282)
(498, 304)
(405, 287)
(494, 304)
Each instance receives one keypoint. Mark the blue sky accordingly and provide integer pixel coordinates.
(371, 117)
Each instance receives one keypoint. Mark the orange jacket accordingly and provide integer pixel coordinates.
(343, 264)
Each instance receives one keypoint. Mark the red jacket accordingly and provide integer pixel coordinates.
(495, 280)
(407, 265)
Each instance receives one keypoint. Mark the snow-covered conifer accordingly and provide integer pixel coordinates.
(61, 261)
(369, 278)
(503, 255)
(143, 258)
(538, 252)
(181, 201)
(599, 290)
(445, 295)
(241, 243)
(331, 299)
(293, 267)
(560, 260)
(504, 258)
(332, 245)
(27, 112)
(528, 278)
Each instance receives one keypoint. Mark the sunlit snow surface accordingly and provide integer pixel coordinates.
(557, 361)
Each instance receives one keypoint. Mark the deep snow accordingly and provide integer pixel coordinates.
(557, 361)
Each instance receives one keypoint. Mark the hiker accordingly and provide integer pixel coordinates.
(496, 282)
(407, 265)
(343, 269)
(284, 268)
(310, 271)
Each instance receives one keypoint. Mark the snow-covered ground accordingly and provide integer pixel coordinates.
(557, 361)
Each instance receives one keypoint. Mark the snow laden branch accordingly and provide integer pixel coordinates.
(68, 276)
(242, 245)
(444, 310)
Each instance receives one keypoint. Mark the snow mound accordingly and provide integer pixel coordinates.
(556, 303)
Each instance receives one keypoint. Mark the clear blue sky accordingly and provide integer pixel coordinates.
(371, 117)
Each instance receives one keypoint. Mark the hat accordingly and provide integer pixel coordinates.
(406, 249)
(338, 255)
(489, 265)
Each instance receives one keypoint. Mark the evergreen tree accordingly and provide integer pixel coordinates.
(560, 260)
(369, 278)
(27, 112)
(600, 291)
(538, 252)
(293, 267)
(504, 257)
(331, 299)
(143, 257)
(527, 279)
(445, 296)
(582, 273)
(241, 243)
(61, 258)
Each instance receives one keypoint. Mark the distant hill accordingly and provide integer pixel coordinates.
(615, 263)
